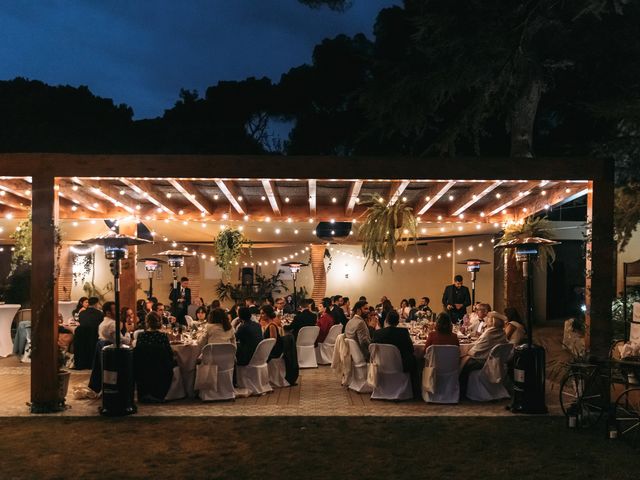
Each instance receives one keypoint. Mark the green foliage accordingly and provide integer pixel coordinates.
(532, 227)
(265, 286)
(627, 212)
(83, 267)
(617, 311)
(91, 290)
(383, 230)
(22, 247)
(229, 244)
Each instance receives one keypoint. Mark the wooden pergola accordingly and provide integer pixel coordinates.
(481, 190)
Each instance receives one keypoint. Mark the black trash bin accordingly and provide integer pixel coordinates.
(528, 379)
(117, 381)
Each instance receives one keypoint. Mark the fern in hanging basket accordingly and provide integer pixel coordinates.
(532, 227)
(383, 229)
(229, 244)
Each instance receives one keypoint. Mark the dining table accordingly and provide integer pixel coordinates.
(7, 312)
(186, 353)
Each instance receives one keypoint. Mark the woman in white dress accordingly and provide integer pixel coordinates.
(404, 311)
(513, 328)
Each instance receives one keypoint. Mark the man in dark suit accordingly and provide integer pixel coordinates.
(85, 335)
(338, 313)
(455, 299)
(249, 335)
(180, 300)
(304, 318)
(399, 337)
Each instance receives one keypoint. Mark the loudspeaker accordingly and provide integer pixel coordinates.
(246, 276)
(333, 231)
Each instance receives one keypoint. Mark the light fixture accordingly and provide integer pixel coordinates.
(294, 268)
(151, 265)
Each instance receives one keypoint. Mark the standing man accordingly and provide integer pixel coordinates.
(456, 298)
(180, 300)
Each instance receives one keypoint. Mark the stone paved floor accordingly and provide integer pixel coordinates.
(318, 393)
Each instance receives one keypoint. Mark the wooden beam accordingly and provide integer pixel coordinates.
(312, 197)
(79, 197)
(13, 201)
(104, 192)
(434, 194)
(148, 192)
(233, 196)
(352, 197)
(44, 296)
(472, 196)
(272, 196)
(191, 193)
(396, 189)
(537, 202)
(17, 186)
(515, 195)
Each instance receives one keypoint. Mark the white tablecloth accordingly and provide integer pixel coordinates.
(187, 355)
(7, 312)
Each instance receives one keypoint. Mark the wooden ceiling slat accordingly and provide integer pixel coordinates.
(475, 193)
(192, 194)
(434, 194)
(312, 197)
(149, 193)
(272, 196)
(352, 197)
(230, 191)
(515, 195)
(396, 189)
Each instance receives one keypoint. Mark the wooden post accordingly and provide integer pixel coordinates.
(600, 274)
(319, 274)
(44, 296)
(128, 283)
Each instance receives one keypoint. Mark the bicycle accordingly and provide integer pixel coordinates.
(583, 394)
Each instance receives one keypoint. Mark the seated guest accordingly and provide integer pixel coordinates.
(362, 298)
(514, 329)
(346, 306)
(304, 318)
(107, 328)
(248, 336)
(356, 328)
(404, 310)
(128, 320)
(272, 329)
(373, 321)
(201, 314)
(153, 361)
(279, 304)
(141, 312)
(86, 335)
(82, 305)
(493, 335)
(337, 313)
(288, 306)
(385, 309)
(443, 334)
(218, 329)
(399, 337)
(478, 321)
(424, 306)
(325, 320)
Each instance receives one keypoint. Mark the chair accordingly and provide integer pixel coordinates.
(391, 383)
(222, 356)
(176, 390)
(189, 320)
(277, 371)
(255, 376)
(305, 347)
(486, 384)
(445, 360)
(324, 350)
(26, 356)
(358, 369)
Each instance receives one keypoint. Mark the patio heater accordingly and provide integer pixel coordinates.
(528, 359)
(175, 259)
(151, 265)
(473, 267)
(294, 267)
(117, 360)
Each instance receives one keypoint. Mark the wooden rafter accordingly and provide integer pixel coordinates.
(272, 196)
(192, 194)
(396, 189)
(472, 196)
(515, 195)
(229, 189)
(79, 198)
(18, 187)
(104, 192)
(434, 194)
(558, 195)
(312, 197)
(149, 193)
(13, 201)
(352, 197)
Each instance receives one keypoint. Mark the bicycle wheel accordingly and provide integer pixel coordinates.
(582, 396)
(627, 414)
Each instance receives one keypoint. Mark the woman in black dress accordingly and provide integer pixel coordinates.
(153, 361)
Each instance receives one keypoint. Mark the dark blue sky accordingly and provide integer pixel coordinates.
(142, 53)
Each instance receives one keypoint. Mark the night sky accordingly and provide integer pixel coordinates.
(142, 56)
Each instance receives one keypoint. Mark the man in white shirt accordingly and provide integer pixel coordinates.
(356, 328)
(478, 321)
(107, 328)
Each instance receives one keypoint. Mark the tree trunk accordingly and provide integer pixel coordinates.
(523, 118)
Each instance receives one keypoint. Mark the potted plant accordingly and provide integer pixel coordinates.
(229, 243)
(532, 227)
(384, 228)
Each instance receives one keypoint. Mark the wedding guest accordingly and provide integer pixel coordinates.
(304, 318)
(477, 323)
(443, 334)
(272, 329)
(356, 328)
(201, 314)
(180, 300)
(404, 310)
(82, 305)
(86, 335)
(325, 320)
(337, 313)
(153, 361)
(456, 298)
(373, 321)
(413, 310)
(248, 336)
(128, 320)
(218, 329)
(346, 306)
(399, 337)
(141, 312)
(288, 306)
(386, 308)
(279, 304)
(107, 328)
(514, 329)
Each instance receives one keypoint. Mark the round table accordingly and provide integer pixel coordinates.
(7, 312)
(187, 355)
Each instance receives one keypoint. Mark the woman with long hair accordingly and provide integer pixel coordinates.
(218, 329)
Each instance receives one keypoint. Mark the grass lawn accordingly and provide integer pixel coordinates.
(289, 448)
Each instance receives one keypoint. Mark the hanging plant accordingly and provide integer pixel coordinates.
(229, 244)
(532, 227)
(82, 267)
(384, 228)
(327, 254)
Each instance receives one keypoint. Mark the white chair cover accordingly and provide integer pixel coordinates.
(277, 371)
(26, 356)
(487, 384)
(255, 376)
(305, 346)
(324, 350)
(390, 382)
(445, 362)
(176, 390)
(358, 369)
(341, 362)
(189, 320)
(222, 356)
